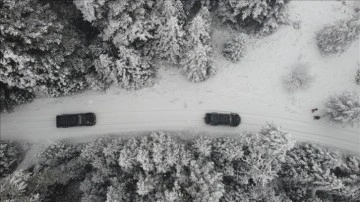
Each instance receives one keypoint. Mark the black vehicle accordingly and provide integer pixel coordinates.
(71, 120)
(215, 119)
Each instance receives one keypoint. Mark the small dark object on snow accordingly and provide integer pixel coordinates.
(316, 117)
(314, 110)
(215, 119)
(71, 120)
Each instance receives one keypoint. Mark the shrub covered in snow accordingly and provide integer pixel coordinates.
(335, 39)
(10, 154)
(197, 63)
(298, 78)
(343, 108)
(235, 48)
(263, 16)
(357, 77)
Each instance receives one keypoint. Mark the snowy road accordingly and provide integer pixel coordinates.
(139, 115)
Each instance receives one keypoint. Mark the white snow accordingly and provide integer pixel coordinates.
(253, 88)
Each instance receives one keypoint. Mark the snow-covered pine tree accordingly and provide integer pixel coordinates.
(40, 51)
(103, 75)
(226, 154)
(58, 153)
(349, 173)
(128, 69)
(14, 188)
(128, 25)
(197, 63)
(132, 70)
(93, 188)
(10, 153)
(144, 186)
(25, 25)
(117, 191)
(168, 39)
(205, 183)
(123, 22)
(256, 165)
(235, 48)
(263, 16)
(307, 171)
(343, 108)
(165, 9)
(154, 162)
(65, 65)
(270, 145)
(10, 97)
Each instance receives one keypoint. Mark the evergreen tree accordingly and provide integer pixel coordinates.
(14, 188)
(132, 70)
(10, 97)
(227, 154)
(10, 156)
(262, 16)
(197, 64)
(205, 184)
(128, 25)
(343, 108)
(307, 171)
(39, 51)
(103, 73)
(255, 167)
(169, 43)
(26, 27)
(168, 40)
(124, 22)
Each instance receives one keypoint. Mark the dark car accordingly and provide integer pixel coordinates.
(71, 120)
(215, 119)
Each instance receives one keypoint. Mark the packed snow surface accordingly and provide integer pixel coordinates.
(252, 87)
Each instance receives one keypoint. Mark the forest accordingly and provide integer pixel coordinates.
(161, 166)
(53, 48)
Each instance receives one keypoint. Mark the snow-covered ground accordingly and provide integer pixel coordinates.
(252, 88)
